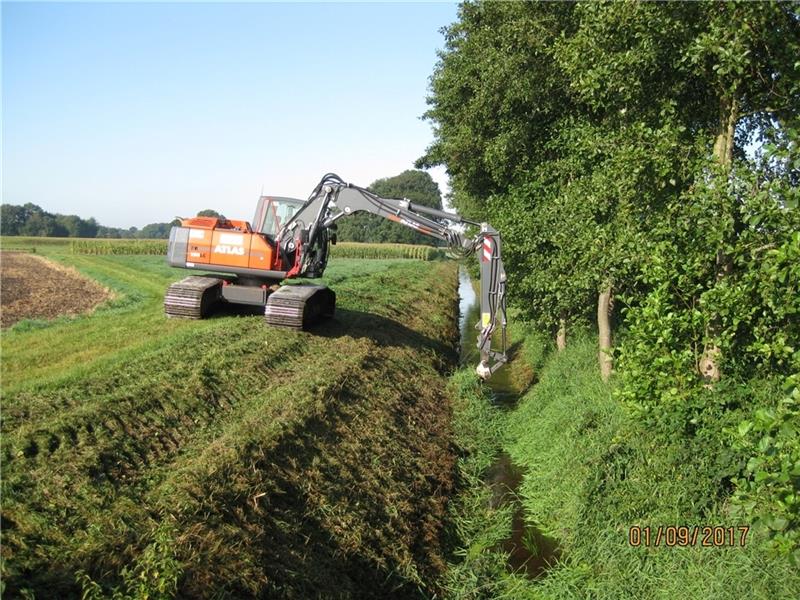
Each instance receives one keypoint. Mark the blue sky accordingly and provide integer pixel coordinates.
(137, 113)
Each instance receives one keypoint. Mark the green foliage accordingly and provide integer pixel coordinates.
(153, 576)
(724, 273)
(496, 94)
(767, 493)
(573, 160)
(416, 186)
(31, 220)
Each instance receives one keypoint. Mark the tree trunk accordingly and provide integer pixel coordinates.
(709, 364)
(561, 334)
(723, 144)
(604, 331)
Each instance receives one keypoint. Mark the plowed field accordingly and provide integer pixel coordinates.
(32, 287)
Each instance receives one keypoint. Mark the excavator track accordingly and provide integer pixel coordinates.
(192, 297)
(299, 306)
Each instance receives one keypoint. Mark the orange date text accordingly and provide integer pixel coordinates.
(669, 536)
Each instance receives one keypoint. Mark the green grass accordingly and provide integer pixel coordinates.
(591, 472)
(33, 244)
(220, 456)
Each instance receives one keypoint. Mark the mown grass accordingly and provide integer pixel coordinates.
(34, 352)
(221, 457)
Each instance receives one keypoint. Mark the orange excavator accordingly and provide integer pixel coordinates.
(290, 238)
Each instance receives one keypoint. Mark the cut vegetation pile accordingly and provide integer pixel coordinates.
(224, 458)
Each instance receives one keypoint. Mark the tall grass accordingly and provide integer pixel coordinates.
(477, 569)
(592, 472)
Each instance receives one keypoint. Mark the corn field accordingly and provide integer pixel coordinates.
(342, 250)
(367, 251)
(119, 247)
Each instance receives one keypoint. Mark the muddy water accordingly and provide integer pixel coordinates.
(529, 551)
(469, 305)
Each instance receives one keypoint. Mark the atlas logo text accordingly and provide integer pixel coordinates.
(229, 250)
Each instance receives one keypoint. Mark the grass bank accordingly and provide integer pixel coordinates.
(224, 458)
(590, 473)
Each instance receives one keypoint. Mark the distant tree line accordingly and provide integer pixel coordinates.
(31, 220)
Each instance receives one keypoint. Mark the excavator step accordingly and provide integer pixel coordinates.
(299, 306)
(192, 297)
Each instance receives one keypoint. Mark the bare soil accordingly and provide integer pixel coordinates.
(32, 287)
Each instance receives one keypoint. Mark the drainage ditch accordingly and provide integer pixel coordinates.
(529, 551)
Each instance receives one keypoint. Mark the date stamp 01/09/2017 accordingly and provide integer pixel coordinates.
(688, 535)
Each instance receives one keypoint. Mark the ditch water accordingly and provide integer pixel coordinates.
(529, 551)
(469, 307)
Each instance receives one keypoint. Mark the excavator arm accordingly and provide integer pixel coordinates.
(303, 243)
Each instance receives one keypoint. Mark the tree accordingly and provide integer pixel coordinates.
(210, 213)
(565, 156)
(416, 186)
(77, 227)
(575, 160)
(155, 231)
(13, 218)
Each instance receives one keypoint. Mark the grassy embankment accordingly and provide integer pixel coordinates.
(590, 473)
(224, 458)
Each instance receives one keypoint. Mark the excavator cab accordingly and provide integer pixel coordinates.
(273, 212)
